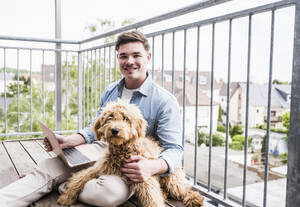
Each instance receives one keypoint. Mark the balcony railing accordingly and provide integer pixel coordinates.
(65, 95)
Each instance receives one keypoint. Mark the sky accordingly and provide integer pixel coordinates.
(35, 18)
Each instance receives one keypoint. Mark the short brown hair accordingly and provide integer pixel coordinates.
(132, 36)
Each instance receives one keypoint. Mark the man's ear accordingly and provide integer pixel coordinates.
(96, 129)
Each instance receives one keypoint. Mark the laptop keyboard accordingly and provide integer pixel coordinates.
(74, 156)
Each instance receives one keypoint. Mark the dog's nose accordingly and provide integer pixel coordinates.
(114, 131)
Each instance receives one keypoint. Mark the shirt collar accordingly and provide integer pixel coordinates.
(144, 89)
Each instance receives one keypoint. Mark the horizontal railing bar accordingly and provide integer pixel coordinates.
(29, 39)
(169, 15)
(179, 12)
(215, 197)
(35, 133)
(226, 17)
(98, 47)
(33, 48)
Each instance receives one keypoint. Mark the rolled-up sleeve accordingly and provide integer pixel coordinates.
(169, 134)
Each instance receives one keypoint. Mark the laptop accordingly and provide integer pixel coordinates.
(74, 156)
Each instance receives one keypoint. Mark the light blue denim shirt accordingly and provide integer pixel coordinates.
(160, 109)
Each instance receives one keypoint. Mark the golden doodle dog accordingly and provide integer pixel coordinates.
(123, 127)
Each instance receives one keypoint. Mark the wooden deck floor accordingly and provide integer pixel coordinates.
(18, 157)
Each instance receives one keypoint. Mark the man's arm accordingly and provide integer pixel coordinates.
(139, 169)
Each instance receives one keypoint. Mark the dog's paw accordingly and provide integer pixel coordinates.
(193, 199)
(65, 200)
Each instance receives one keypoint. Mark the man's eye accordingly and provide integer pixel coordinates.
(123, 57)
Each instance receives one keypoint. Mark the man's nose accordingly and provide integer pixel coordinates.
(130, 60)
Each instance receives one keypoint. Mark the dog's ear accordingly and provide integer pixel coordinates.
(141, 127)
(97, 129)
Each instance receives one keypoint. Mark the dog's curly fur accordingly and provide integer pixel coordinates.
(130, 140)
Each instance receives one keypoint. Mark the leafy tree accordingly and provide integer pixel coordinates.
(12, 88)
(263, 150)
(106, 25)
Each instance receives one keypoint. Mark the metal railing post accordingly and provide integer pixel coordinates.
(293, 181)
(58, 79)
(79, 90)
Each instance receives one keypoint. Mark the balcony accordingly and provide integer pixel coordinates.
(65, 94)
(273, 119)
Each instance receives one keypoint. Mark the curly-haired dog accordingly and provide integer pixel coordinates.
(123, 127)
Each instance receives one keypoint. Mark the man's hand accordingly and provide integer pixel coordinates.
(139, 169)
(65, 142)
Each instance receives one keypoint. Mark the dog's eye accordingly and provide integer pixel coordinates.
(110, 117)
(125, 118)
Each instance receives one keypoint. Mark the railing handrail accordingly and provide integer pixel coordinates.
(28, 39)
(175, 13)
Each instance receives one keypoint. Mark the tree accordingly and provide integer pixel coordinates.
(106, 25)
(12, 88)
(263, 150)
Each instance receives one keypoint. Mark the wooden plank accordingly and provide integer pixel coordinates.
(40, 142)
(128, 204)
(7, 170)
(37, 153)
(20, 157)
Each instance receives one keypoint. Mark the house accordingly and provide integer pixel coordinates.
(258, 104)
(203, 121)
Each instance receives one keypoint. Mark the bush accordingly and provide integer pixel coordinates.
(235, 130)
(203, 138)
(284, 158)
(217, 140)
(221, 128)
(238, 142)
(235, 145)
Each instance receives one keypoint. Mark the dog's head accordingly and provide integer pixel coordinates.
(119, 123)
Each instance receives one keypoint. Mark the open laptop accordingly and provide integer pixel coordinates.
(74, 156)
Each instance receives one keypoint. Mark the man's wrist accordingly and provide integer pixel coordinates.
(160, 167)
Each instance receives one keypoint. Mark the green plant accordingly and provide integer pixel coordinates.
(220, 114)
(238, 142)
(263, 149)
(217, 140)
(284, 158)
(221, 128)
(235, 130)
(203, 138)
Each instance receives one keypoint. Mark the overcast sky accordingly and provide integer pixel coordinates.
(35, 18)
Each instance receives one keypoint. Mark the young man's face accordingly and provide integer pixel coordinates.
(133, 60)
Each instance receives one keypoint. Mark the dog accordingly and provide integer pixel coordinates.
(123, 127)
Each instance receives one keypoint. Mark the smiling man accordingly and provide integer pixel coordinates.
(159, 108)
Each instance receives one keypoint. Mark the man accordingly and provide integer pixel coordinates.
(159, 108)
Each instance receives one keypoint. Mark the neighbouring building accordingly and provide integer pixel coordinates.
(258, 104)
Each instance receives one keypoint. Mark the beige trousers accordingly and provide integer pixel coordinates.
(106, 191)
